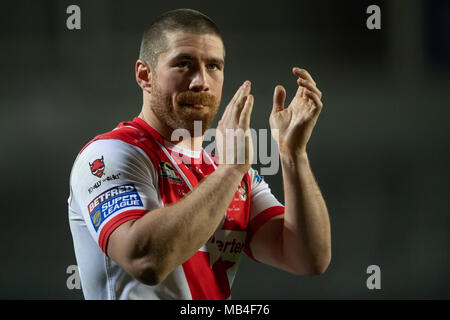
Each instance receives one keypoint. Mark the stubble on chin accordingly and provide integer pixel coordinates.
(176, 116)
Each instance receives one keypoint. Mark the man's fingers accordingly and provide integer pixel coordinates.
(279, 97)
(233, 101)
(309, 85)
(240, 101)
(315, 98)
(244, 121)
(236, 94)
(302, 73)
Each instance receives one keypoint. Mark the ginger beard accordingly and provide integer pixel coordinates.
(180, 113)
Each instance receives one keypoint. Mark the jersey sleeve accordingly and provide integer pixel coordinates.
(263, 207)
(113, 182)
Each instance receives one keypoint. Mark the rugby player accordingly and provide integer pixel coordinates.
(157, 218)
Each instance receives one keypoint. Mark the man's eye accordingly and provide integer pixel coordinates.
(213, 66)
(182, 64)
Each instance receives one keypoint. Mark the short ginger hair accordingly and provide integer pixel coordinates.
(154, 39)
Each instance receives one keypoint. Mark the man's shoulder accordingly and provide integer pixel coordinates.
(111, 155)
(128, 143)
(129, 133)
(123, 132)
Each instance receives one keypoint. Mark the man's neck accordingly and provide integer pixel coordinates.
(192, 143)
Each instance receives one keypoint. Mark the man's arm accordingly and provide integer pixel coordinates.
(151, 247)
(299, 242)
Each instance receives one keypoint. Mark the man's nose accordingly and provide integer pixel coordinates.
(199, 80)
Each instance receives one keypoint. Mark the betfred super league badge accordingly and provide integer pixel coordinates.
(97, 167)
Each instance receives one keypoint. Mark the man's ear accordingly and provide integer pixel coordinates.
(143, 75)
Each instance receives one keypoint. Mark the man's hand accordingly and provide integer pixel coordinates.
(234, 142)
(299, 241)
(292, 126)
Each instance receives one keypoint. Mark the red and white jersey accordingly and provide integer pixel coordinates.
(128, 172)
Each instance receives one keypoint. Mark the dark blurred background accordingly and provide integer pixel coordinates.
(380, 150)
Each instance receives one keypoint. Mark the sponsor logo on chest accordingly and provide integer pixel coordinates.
(226, 245)
(167, 171)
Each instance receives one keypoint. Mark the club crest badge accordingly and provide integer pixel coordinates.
(97, 167)
(242, 190)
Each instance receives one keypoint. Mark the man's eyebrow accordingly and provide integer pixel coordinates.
(216, 61)
(189, 57)
(182, 56)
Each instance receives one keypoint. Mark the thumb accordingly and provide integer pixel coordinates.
(279, 96)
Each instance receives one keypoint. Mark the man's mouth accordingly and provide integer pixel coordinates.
(194, 105)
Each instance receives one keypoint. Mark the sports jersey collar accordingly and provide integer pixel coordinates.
(147, 128)
(180, 150)
(155, 134)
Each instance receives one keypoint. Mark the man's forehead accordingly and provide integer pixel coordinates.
(209, 45)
